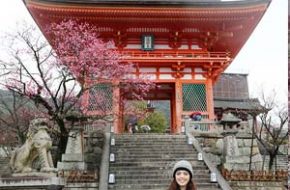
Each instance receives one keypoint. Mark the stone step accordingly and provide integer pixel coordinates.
(200, 186)
(156, 172)
(156, 180)
(150, 159)
(151, 145)
(150, 163)
(148, 138)
(160, 151)
(159, 188)
(151, 140)
(150, 135)
(155, 156)
(154, 147)
(114, 168)
(126, 137)
(166, 176)
(148, 143)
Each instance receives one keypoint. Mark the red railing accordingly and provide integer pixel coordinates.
(169, 54)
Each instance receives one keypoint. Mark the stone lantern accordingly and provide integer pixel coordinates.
(73, 159)
(230, 145)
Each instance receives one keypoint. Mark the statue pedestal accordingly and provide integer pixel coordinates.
(29, 182)
(230, 151)
(73, 159)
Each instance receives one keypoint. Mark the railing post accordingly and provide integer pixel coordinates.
(186, 124)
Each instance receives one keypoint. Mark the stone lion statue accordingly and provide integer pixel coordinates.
(36, 146)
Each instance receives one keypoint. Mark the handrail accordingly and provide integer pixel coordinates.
(220, 179)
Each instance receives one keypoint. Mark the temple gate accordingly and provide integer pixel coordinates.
(181, 45)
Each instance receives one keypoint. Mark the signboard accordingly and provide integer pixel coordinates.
(147, 42)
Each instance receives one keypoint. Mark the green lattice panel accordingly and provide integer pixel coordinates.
(100, 97)
(194, 97)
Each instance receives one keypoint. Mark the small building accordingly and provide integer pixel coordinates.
(231, 94)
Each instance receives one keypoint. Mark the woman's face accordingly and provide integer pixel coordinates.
(182, 177)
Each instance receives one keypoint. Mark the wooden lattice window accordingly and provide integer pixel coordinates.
(194, 97)
(100, 97)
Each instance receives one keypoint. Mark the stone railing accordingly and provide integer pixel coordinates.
(219, 178)
(204, 125)
(97, 125)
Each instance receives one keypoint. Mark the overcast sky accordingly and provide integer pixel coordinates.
(264, 57)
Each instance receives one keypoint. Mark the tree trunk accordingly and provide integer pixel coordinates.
(263, 163)
(271, 161)
(252, 141)
(63, 138)
(21, 136)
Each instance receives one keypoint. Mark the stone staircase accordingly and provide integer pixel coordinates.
(145, 162)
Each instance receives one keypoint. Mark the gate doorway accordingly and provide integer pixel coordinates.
(160, 99)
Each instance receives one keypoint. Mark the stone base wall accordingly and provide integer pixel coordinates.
(81, 186)
(212, 144)
(243, 160)
(256, 185)
(32, 183)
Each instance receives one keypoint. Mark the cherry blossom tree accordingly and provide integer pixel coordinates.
(57, 78)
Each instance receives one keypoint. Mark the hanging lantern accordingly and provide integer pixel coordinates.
(111, 178)
(112, 141)
(112, 129)
(182, 129)
(199, 156)
(213, 177)
(189, 140)
(112, 157)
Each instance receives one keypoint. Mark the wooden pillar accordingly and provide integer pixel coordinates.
(117, 112)
(178, 106)
(85, 100)
(173, 111)
(209, 98)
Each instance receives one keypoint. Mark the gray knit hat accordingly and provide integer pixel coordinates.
(183, 165)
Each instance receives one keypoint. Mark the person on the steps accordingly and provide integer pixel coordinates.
(182, 177)
(129, 128)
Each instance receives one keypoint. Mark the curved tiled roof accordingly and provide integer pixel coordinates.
(245, 104)
(163, 2)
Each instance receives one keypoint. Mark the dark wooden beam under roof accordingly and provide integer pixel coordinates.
(207, 3)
